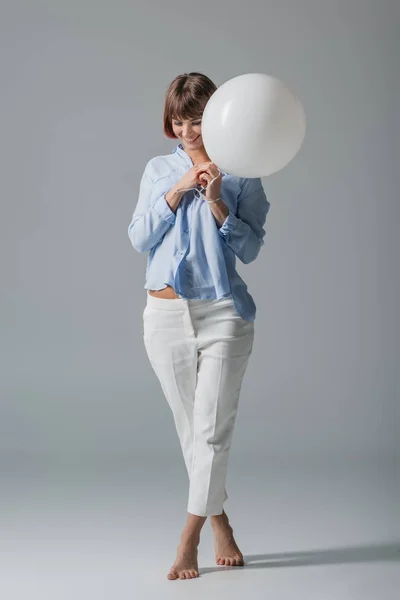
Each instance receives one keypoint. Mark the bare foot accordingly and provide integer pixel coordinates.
(185, 565)
(226, 550)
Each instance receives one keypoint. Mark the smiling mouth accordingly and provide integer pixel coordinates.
(191, 140)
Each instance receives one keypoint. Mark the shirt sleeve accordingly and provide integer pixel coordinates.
(152, 216)
(244, 231)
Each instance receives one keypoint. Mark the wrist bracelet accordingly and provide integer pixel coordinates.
(212, 201)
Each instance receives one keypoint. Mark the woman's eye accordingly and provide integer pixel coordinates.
(178, 123)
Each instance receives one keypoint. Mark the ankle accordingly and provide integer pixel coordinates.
(222, 516)
(219, 521)
(190, 537)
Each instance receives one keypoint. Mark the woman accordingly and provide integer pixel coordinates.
(199, 317)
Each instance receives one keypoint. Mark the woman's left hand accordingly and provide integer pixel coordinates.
(208, 172)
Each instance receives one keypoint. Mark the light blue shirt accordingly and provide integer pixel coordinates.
(188, 250)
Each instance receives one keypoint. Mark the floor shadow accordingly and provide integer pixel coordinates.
(351, 554)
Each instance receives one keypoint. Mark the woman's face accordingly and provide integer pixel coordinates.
(189, 132)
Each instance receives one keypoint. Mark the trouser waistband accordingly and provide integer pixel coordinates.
(180, 303)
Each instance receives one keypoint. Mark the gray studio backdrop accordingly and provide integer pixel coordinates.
(82, 96)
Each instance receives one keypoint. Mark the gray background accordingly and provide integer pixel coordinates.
(83, 87)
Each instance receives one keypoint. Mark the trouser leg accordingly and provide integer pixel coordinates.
(173, 356)
(225, 342)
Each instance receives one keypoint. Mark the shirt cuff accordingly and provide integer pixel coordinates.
(230, 223)
(163, 209)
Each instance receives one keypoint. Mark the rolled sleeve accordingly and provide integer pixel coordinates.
(163, 209)
(229, 224)
(244, 232)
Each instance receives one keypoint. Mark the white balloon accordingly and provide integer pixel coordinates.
(253, 125)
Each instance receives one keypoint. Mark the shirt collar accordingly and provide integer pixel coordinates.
(180, 152)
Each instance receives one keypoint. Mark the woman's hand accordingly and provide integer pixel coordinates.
(206, 173)
(190, 179)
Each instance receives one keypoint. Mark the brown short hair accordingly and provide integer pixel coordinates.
(186, 98)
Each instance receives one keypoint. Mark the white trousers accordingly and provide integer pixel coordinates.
(199, 350)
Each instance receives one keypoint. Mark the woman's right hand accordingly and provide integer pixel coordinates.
(190, 179)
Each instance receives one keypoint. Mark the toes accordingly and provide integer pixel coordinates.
(186, 575)
(172, 575)
(230, 561)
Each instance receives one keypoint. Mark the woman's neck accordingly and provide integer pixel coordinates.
(198, 156)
